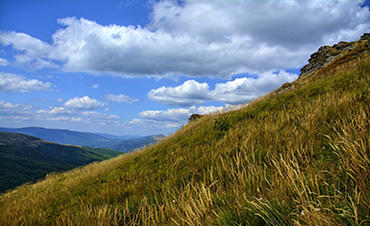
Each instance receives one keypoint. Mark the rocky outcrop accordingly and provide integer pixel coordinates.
(328, 57)
(194, 117)
(328, 54)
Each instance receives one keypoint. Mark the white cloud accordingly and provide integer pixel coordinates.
(95, 86)
(23, 114)
(56, 118)
(15, 111)
(3, 62)
(100, 118)
(23, 42)
(198, 38)
(77, 120)
(168, 115)
(11, 106)
(56, 111)
(83, 103)
(204, 110)
(238, 91)
(16, 83)
(67, 115)
(30, 50)
(287, 23)
(53, 114)
(171, 118)
(189, 93)
(120, 98)
(242, 90)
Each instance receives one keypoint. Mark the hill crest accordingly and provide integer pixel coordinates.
(21, 140)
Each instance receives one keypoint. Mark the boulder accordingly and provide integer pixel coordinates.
(194, 117)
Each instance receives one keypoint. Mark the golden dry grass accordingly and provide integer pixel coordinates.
(297, 158)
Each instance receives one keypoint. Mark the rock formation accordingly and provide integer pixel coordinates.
(328, 57)
(194, 117)
(328, 54)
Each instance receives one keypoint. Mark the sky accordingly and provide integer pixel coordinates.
(144, 66)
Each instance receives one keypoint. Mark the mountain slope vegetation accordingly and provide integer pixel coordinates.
(298, 156)
(25, 158)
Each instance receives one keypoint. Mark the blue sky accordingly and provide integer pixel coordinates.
(142, 67)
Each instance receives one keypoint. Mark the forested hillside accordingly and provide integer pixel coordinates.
(25, 158)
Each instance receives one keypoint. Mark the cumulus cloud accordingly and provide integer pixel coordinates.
(171, 118)
(237, 91)
(83, 103)
(189, 93)
(100, 118)
(198, 38)
(120, 98)
(168, 115)
(11, 106)
(54, 114)
(204, 110)
(14, 110)
(275, 23)
(30, 51)
(56, 111)
(23, 113)
(61, 114)
(17, 83)
(242, 90)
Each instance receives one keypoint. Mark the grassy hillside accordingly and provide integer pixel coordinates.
(25, 158)
(299, 157)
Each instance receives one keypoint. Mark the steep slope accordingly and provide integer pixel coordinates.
(86, 139)
(298, 156)
(25, 158)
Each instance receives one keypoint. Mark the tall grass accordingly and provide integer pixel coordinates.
(298, 158)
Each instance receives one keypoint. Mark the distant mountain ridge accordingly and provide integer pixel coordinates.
(125, 137)
(25, 158)
(61, 136)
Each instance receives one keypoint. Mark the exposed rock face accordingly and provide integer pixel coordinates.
(328, 57)
(327, 54)
(285, 87)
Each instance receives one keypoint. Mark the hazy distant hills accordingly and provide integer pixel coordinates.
(24, 158)
(125, 137)
(119, 143)
(57, 135)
